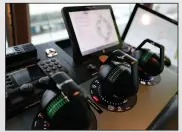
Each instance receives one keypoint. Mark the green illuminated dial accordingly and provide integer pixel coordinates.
(145, 57)
(56, 104)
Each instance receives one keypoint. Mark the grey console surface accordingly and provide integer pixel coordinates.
(151, 100)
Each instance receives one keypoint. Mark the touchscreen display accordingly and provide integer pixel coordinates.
(28, 75)
(94, 30)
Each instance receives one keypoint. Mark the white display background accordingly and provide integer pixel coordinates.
(85, 27)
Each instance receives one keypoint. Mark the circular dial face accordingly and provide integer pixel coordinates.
(103, 28)
(112, 103)
(40, 123)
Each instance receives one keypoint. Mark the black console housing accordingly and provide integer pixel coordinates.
(20, 55)
(20, 97)
(17, 99)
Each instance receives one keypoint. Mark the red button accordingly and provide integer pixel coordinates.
(95, 98)
(48, 124)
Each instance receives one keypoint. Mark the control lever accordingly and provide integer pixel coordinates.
(28, 88)
(25, 89)
(64, 105)
(44, 80)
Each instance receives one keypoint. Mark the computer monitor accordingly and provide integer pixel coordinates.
(146, 23)
(92, 29)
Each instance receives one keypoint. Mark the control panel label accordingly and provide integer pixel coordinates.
(94, 105)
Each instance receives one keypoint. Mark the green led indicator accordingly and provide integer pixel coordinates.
(61, 104)
(55, 105)
(50, 106)
(145, 57)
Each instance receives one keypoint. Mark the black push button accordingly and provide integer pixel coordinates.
(48, 61)
(45, 66)
(8, 79)
(10, 86)
(42, 63)
(51, 64)
(59, 66)
(56, 63)
(48, 69)
(53, 60)
(53, 68)
(9, 83)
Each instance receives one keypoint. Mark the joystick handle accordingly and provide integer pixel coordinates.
(27, 88)
(150, 60)
(44, 80)
(119, 55)
(24, 89)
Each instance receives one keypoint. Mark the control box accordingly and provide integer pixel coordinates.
(18, 97)
(20, 55)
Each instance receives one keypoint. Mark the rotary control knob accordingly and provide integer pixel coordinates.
(116, 81)
(108, 102)
(114, 90)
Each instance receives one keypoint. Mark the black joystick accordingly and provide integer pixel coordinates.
(117, 84)
(116, 81)
(64, 107)
(150, 65)
(25, 89)
(28, 88)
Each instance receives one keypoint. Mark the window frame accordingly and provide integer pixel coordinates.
(17, 23)
(8, 26)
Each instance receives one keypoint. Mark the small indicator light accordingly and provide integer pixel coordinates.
(95, 98)
(40, 115)
(48, 124)
(76, 93)
(103, 58)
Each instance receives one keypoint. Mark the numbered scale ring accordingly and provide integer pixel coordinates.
(40, 123)
(113, 104)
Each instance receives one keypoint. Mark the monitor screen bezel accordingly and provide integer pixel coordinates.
(77, 56)
(137, 6)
